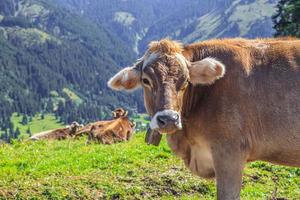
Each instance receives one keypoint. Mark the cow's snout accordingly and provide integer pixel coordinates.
(166, 121)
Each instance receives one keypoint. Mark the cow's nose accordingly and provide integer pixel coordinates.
(165, 121)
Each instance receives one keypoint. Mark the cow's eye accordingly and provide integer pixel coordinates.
(146, 81)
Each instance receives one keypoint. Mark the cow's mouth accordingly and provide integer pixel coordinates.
(170, 130)
(153, 137)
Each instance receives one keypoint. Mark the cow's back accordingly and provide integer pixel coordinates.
(257, 101)
(276, 101)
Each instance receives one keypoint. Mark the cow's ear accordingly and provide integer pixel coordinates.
(126, 79)
(206, 71)
(125, 113)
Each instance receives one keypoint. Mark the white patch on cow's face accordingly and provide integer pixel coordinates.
(149, 59)
(154, 124)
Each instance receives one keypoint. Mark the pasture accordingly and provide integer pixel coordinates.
(72, 170)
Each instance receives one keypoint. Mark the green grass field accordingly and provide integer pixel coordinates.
(37, 124)
(72, 170)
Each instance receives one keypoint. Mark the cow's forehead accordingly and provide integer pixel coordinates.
(149, 58)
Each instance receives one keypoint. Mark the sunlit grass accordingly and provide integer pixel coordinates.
(70, 169)
(37, 124)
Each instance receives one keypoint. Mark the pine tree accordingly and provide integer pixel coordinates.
(28, 131)
(60, 108)
(287, 19)
(49, 107)
(11, 131)
(17, 133)
(24, 120)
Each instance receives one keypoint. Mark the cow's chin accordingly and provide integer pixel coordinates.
(169, 130)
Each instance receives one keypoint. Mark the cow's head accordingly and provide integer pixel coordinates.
(164, 74)
(119, 112)
(74, 127)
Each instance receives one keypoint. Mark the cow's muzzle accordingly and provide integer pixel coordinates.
(166, 121)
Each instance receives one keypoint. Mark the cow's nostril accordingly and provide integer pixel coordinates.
(161, 120)
(166, 120)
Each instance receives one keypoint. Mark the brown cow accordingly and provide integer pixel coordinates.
(117, 113)
(110, 131)
(117, 130)
(58, 134)
(223, 103)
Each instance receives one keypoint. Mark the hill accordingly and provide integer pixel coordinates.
(139, 21)
(133, 170)
(52, 60)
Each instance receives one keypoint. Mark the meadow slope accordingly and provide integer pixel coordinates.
(133, 170)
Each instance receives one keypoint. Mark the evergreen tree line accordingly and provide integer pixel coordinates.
(287, 18)
(51, 52)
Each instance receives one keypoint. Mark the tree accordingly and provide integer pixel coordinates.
(49, 107)
(24, 120)
(5, 136)
(287, 18)
(60, 108)
(11, 131)
(17, 133)
(28, 131)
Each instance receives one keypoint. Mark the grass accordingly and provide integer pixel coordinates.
(33, 36)
(141, 118)
(73, 96)
(71, 170)
(37, 124)
(246, 15)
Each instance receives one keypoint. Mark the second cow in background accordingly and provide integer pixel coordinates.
(111, 131)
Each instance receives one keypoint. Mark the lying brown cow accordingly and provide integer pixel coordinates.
(111, 131)
(58, 134)
(223, 103)
(117, 130)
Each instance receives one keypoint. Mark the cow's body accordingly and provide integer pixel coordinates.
(216, 126)
(116, 130)
(58, 134)
(119, 129)
(87, 128)
(255, 108)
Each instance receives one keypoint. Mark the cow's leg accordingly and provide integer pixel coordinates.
(90, 137)
(228, 164)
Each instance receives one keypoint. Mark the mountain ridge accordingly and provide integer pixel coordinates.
(185, 20)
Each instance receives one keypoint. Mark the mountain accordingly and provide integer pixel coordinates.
(215, 19)
(52, 60)
(137, 22)
(56, 55)
(127, 19)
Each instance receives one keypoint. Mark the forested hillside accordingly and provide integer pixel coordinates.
(139, 21)
(54, 61)
(57, 55)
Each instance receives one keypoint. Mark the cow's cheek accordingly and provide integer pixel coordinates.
(179, 101)
(148, 102)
